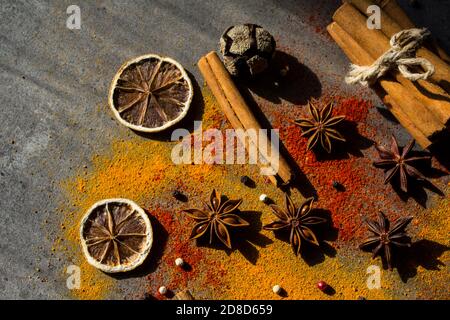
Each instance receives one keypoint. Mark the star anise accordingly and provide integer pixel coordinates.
(297, 221)
(217, 219)
(320, 126)
(385, 237)
(398, 162)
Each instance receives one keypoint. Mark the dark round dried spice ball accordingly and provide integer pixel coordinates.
(176, 194)
(246, 49)
(179, 195)
(245, 180)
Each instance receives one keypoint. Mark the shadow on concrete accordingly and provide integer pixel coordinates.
(353, 145)
(423, 253)
(297, 86)
(325, 232)
(299, 180)
(246, 240)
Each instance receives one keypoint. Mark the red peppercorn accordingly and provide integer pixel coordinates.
(322, 285)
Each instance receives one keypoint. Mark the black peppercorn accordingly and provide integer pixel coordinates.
(177, 194)
(245, 179)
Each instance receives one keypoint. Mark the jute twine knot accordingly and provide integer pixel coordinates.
(401, 55)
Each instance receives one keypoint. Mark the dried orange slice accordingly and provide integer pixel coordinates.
(116, 235)
(150, 93)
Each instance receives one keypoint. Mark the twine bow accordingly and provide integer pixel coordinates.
(401, 55)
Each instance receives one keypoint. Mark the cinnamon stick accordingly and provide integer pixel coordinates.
(390, 27)
(403, 119)
(357, 55)
(420, 127)
(433, 97)
(235, 108)
(392, 8)
(375, 43)
(221, 98)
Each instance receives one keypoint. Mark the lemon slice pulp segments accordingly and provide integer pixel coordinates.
(150, 93)
(116, 235)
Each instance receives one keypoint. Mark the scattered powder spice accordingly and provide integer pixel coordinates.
(278, 265)
(213, 117)
(94, 284)
(142, 170)
(176, 245)
(354, 173)
(432, 249)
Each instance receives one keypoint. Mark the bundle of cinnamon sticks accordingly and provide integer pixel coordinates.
(422, 107)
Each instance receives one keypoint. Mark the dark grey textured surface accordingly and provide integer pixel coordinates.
(53, 80)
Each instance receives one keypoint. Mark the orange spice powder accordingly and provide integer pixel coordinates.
(142, 170)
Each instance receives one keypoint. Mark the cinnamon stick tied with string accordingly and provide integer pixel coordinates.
(375, 43)
(389, 27)
(395, 95)
(397, 14)
(414, 102)
(238, 112)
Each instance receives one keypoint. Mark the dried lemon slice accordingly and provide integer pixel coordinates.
(150, 93)
(116, 235)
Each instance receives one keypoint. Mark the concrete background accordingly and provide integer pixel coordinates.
(53, 79)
